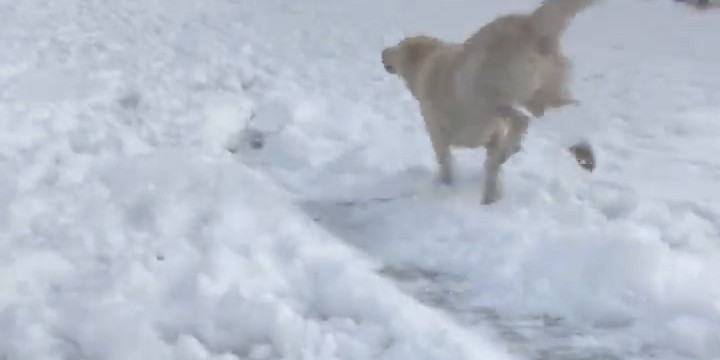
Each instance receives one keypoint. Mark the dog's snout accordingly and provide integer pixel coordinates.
(384, 57)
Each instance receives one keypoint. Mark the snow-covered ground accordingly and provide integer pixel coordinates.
(129, 231)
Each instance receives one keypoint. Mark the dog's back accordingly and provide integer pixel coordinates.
(511, 56)
(543, 26)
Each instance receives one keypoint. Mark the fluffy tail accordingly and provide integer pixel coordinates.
(552, 17)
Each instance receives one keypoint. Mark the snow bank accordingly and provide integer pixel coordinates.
(175, 256)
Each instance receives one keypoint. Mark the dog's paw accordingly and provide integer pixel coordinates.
(491, 195)
(489, 199)
(445, 177)
(445, 180)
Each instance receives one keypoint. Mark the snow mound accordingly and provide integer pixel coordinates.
(175, 256)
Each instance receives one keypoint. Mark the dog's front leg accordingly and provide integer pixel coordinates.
(441, 146)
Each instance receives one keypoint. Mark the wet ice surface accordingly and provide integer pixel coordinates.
(538, 337)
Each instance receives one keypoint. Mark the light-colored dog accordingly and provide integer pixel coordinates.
(470, 93)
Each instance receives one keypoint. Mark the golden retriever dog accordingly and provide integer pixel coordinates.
(472, 94)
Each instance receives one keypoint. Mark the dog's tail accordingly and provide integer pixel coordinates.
(552, 17)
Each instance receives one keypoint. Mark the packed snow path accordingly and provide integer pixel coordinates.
(128, 231)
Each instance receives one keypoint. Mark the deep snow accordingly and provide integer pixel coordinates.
(129, 231)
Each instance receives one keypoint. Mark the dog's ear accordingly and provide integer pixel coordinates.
(393, 38)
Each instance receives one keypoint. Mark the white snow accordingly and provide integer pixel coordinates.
(173, 255)
(128, 230)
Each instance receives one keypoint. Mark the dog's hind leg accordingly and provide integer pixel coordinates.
(553, 93)
(493, 163)
(495, 157)
(543, 100)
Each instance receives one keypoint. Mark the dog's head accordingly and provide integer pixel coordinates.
(408, 54)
